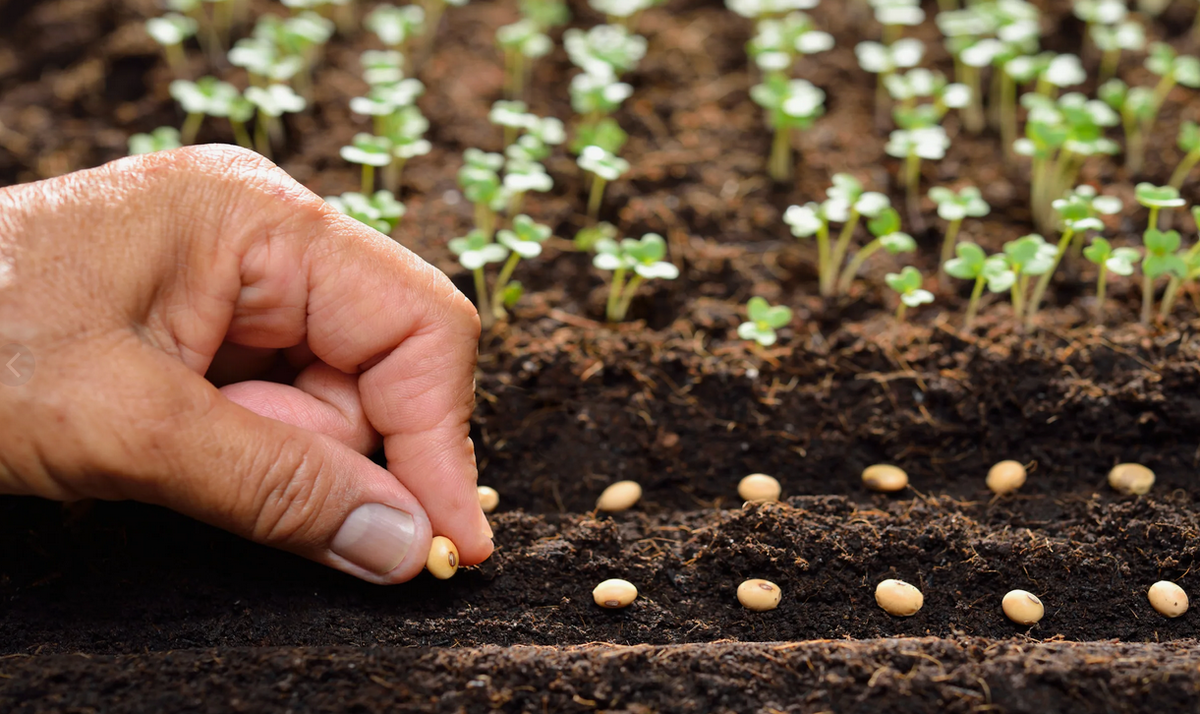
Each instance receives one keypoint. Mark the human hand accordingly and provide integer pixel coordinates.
(131, 282)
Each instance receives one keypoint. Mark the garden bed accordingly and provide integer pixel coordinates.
(675, 401)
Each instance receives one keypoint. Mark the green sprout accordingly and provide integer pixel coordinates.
(521, 176)
(396, 26)
(916, 84)
(379, 210)
(1111, 40)
(1162, 258)
(885, 226)
(513, 116)
(971, 263)
(475, 250)
(263, 61)
(371, 152)
(541, 133)
(434, 11)
(604, 167)
(272, 102)
(644, 257)
(171, 31)
(405, 129)
(760, 9)
(384, 100)
(967, 40)
(524, 240)
(207, 96)
(522, 42)
(546, 13)
(885, 60)
(1027, 256)
(1118, 261)
(1191, 259)
(1139, 106)
(908, 284)
(779, 41)
(595, 98)
(480, 180)
(790, 104)
(623, 12)
(382, 66)
(604, 50)
(161, 139)
(765, 319)
(846, 203)
(954, 208)
(1189, 142)
(913, 145)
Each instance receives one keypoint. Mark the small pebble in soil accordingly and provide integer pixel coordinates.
(759, 487)
(899, 598)
(615, 593)
(442, 562)
(620, 496)
(1131, 479)
(488, 499)
(885, 477)
(1006, 477)
(1168, 598)
(759, 595)
(1022, 607)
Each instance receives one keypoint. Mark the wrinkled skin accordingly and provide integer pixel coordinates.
(154, 290)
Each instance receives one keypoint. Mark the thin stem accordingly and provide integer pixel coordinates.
(1018, 296)
(973, 304)
(779, 164)
(240, 135)
(824, 269)
(191, 126)
(390, 178)
(856, 263)
(973, 115)
(900, 310)
(948, 243)
(597, 195)
(176, 58)
(1185, 166)
(1008, 112)
(368, 179)
(1108, 64)
(1153, 221)
(627, 299)
(1101, 284)
(502, 283)
(1168, 300)
(913, 182)
(1039, 290)
(843, 242)
(614, 294)
(481, 299)
(1147, 298)
(262, 138)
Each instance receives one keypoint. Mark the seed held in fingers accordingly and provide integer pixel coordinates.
(759, 595)
(1168, 598)
(759, 487)
(885, 477)
(898, 598)
(614, 593)
(443, 558)
(488, 499)
(1006, 477)
(1022, 607)
(1131, 479)
(620, 496)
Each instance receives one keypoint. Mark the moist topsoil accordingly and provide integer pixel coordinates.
(119, 607)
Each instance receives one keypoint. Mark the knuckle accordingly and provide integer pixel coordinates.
(287, 503)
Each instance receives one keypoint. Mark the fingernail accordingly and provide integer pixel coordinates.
(375, 537)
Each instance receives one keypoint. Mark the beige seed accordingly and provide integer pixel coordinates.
(1006, 477)
(1168, 598)
(614, 593)
(759, 487)
(488, 499)
(1131, 479)
(620, 496)
(898, 598)
(885, 477)
(442, 562)
(1022, 607)
(759, 595)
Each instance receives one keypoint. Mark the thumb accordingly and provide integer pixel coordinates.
(266, 480)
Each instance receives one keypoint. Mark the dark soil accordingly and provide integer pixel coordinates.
(673, 400)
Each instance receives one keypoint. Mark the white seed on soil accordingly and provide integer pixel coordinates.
(899, 598)
(442, 562)
(620, 496)
(1006, 477)
(885, 477)
(759, 487)
(1168, 598)
(759, 595)
(614, 593)
(488, 499)
(1022, 607)
(1131, 479)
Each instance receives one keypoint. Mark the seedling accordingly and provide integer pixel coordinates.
(623, 12)
(759, 9)
(954, 208)
(380, 210)
(913, 145)
(525, 241)
(595, 96)
(895, 15)
(884, 60)
(513, 116)
(605, 50)
(171, 31)
(396, 26)
(778, 42)
(790, 104)
(521, 176)
(765, 319)
(207, 96)
(644, 257)
(1161, 259)
(1027, 256)
(1118, 261)
(434, 11)
(161, 139)
(371, 152)
(384, 100)
(475, 250)
(405, 129)
(619, 496)
(1189, 142)
(907, 283)
(522, 42)
(604, 166)
(1191, 259)
(541, 134)
(382, 66)
(272, 102)
(1139, 106)
(1112, 39)
(918, 84)
(971, 263)
(480, 180)
(263, 62)
(885, 226)
(965, 32)
(546, 13)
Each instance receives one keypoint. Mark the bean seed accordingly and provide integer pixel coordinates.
(759, 595)
(620, 496)
(899, 598)
(759, 487)
(1168, 598)
(1131, 479)
(1006, 477)
(614, 593)
(884, 477)
(1023, 607)
(442, 562)
(488, 499)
